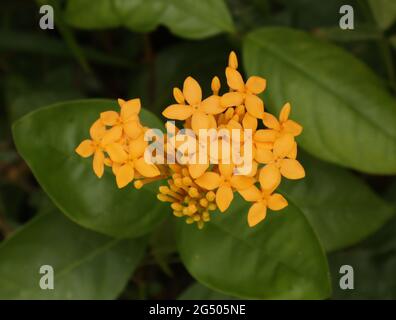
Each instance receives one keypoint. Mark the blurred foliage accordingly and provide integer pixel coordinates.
(341, 84)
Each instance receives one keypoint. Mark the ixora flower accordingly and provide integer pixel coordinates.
(195, 190)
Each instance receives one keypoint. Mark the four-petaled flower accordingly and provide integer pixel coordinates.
(190, 105)
(224, 181)
(125, 163)
(127, 121)
(100, 139)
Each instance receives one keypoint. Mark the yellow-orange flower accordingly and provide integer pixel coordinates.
(262, 199)
(100, 138)
(284, 125)
(280, 162)
(190, 105)
(199, 184)
(127, 120)
(125, 162)
(224, 182)
(243, 93)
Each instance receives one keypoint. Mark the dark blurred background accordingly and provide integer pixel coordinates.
(41, 67)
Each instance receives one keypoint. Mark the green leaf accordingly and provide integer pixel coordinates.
(280, 258)
(188, 18)
(197, 19)
(348, 116)
(341, 208)
(47, 138)
(360, 33)
(163, 244)
(138, 15)
(199, 292)
(384, 12)
(86, 265)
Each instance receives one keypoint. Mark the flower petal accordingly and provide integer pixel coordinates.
(250, 194)
(98, 163)
(115, 166)
(265, 135)
(234, 79)
(178, 95)
(285, 112)
(263, 155)
(292, 127)
(215, 85)
(116, 152)
(252, 172)
(293, 153)
(257, 213)
(277, 202)
(209, 180)
(112, 135)
(256, 84)
(133, 129)
(283, 145)
(254, 105)
(124, 175)
(130, 109)
(137, 147)
(270, 121)
(241, 182)
(200, 120)
(269, 177)
(226, 170)
(212, 122)
(146, 169)
(292, 169)
(192, 91)
(178, 112)
(224, 196)
(97, 130)
(233, 60)
(109, 118)
(85, 149)
(249, 122)
(231, 99)
(211, 105)
(196, 170)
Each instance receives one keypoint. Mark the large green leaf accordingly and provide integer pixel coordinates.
(341, 208)
(46, 139)
(384, 12)
(198, 291)
(188, 18)
(348, 116)
(86, 265)
(280, 258)
(197, 19)
(138, 15)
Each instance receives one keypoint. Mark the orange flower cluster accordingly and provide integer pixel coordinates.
(196, 190)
